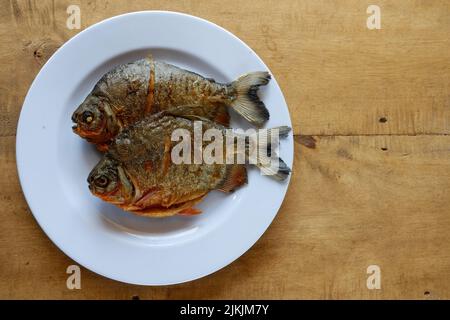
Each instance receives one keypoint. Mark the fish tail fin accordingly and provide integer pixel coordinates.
(280, 172)
(236, 176)
(247, 102)
(264, 156)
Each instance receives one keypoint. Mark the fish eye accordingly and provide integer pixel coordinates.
(101, 181)
(87, 116)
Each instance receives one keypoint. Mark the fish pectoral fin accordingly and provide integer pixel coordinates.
(218, 113)
(221, 116)
(128, 188)
(190, 112)
(144, 199)
(235, 177)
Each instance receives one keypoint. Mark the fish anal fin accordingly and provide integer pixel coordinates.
(222, 116)
(160, 211)
(218, 113)
(235, 177)
(190, 211)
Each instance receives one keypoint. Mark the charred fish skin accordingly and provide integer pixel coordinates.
(175, 87)
(146, 180)
(131, 91)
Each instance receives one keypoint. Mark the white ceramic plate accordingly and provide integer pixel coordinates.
(53, 163)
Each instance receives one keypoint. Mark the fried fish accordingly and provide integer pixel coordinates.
(131, 91)
(138, 173)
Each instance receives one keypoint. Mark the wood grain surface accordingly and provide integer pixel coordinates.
(371, 178)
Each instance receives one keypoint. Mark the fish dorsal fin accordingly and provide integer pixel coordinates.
(235, 177)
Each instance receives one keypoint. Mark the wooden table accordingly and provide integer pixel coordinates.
(373, 191)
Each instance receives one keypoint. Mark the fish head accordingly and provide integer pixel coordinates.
(109, 181)
(94, 120)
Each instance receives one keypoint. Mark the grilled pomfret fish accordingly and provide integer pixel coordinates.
(139, 175)
(130, 91)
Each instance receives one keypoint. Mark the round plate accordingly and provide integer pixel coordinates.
(53, 163)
